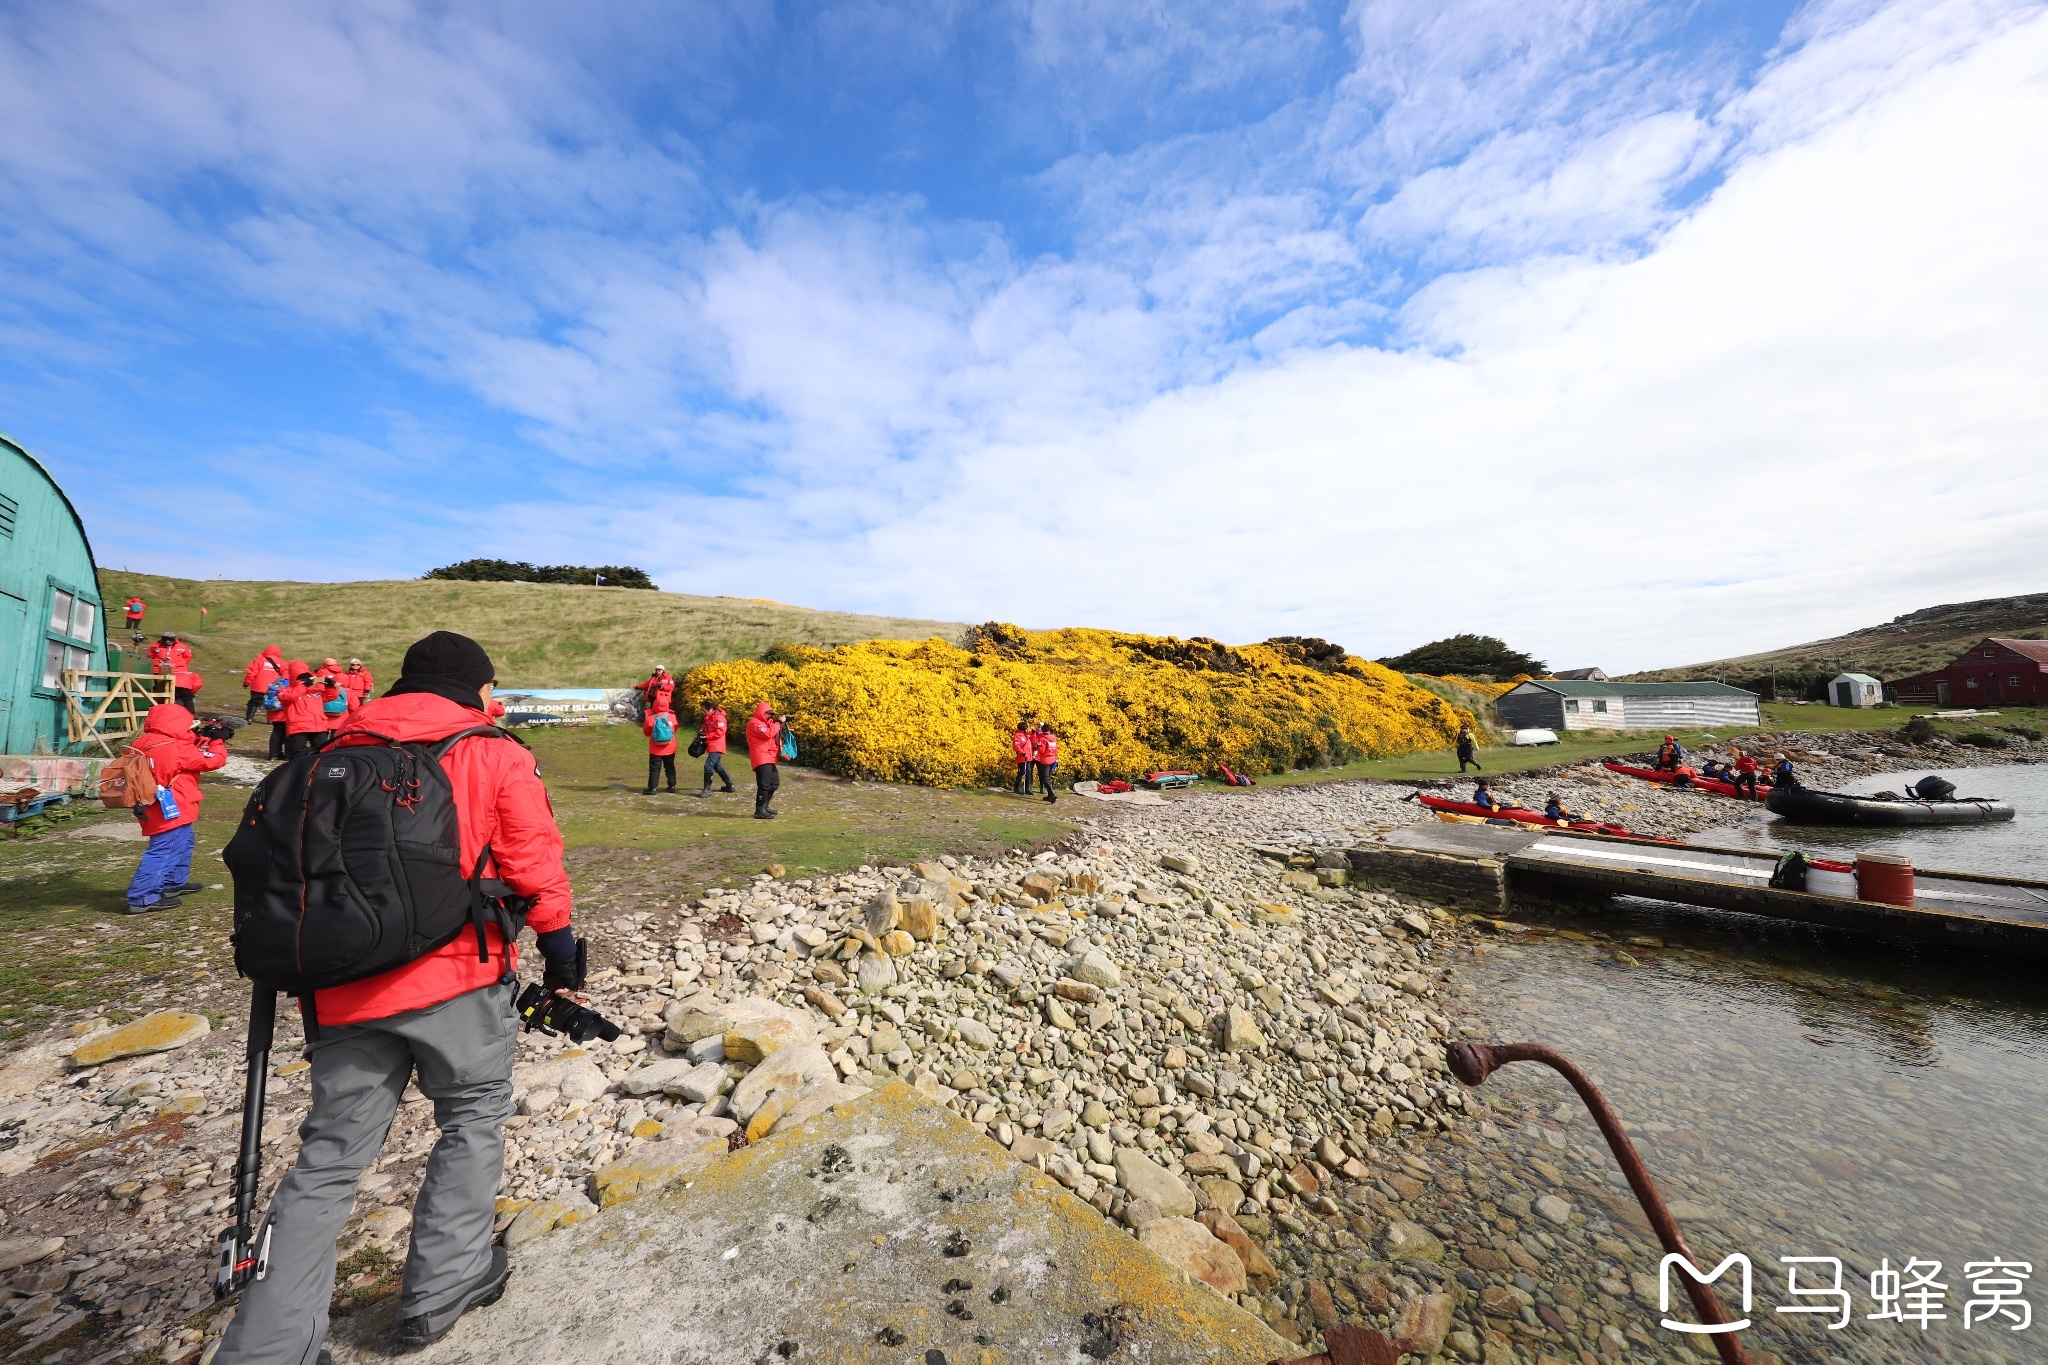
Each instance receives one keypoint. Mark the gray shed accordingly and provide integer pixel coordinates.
(1560, 704)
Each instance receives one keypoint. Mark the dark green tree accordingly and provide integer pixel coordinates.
(518, 571)
(1468, 656)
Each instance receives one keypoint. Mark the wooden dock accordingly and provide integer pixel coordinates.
(1960, 908)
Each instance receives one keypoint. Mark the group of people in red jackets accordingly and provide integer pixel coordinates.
(1038, 752)
(304, 705)
(765, 733)
(173, 657)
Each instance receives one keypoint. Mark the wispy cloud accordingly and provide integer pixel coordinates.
(1628, 336)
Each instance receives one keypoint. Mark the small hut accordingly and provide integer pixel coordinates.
(1855, 689)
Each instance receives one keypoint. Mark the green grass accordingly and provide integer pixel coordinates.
(66, 948)
(539, 635)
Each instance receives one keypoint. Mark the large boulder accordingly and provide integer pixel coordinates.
(1144, 1178)
(792, 1068)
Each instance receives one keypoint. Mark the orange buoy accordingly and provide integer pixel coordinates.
(1884, 877)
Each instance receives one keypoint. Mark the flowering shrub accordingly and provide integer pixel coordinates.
(1122, 705)
(1491, 689)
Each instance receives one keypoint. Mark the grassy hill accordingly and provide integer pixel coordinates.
(539, 635)
(1905, 645)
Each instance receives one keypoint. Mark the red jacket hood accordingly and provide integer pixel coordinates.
(168, 719)
(273, 652)
(760, 710)
(413, 716)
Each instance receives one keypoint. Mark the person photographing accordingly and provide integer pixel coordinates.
(442, 1014)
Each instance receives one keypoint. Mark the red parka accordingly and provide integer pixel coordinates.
(169, 658)
(1021, 745)
(356, 682)
(1045, 747)
(304, 706)
(263, 670)
(764, 737)
(659, 748)
(177, 760)
(712, 727)
(188, 680)
(499, 800)
(657, 693)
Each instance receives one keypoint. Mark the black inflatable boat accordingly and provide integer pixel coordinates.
(1805, 806)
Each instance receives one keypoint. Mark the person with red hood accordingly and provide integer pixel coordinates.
(764, 751)
(1023, 746)
(712, 730)
(444, 1021)
(169, 654)
(304, 700)
(135, 608)
(176, 760)
(356, 684)
(185, 685)
(263, 670)
(1045, 752)
(661, 728)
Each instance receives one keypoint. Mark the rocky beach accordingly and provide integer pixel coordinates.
(1189, 1014)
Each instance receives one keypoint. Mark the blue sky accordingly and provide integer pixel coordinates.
(1635, 333)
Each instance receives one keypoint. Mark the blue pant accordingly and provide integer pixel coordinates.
(166, 865)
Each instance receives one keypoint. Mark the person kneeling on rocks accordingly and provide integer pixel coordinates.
(444, 1020)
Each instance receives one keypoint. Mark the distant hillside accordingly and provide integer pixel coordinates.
(539, 635)
(1908, 644)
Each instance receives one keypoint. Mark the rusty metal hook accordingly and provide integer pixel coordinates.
(1472, 1063)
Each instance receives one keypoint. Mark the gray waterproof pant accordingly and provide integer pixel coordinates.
(462, 1051)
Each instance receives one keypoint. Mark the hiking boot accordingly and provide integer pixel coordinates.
(187, 889)
(702, 794)
(766, 814)
(1050, 798)
(728, 787)
(151, 907)
(415, 1334)
(648, 792)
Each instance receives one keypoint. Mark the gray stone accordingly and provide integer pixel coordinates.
(1144, 1178)
(792, 1068)
(16, 1252)
(1552, 1209)
(1405, 1241)
(1241, 1031)
(876, 974)
(645, 1080)
(974, 1033)
(699, 1083)
(1096, 969)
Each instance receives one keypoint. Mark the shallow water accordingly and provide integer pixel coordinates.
(1812, 1092)
(2016, 848)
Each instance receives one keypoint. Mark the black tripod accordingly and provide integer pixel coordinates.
(244, 1249)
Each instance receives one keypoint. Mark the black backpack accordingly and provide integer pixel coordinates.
(347, 864)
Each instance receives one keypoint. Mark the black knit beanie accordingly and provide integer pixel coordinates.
(444, 654)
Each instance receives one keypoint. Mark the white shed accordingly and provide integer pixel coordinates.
(1855, 689)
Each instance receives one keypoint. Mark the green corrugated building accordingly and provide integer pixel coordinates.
(50, 609)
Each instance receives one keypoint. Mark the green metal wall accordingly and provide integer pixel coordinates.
(43, 553)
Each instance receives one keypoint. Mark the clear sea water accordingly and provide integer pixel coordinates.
(1805, 1091)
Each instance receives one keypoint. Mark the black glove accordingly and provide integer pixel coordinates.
(567, 973)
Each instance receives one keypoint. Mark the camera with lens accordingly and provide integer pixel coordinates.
(214, 729)
(552, 1012)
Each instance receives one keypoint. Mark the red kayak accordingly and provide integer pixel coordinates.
(1523, 816)
(1696, 782)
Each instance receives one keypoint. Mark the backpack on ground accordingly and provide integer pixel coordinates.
(128, 782)
(347, 863)
(664, 727)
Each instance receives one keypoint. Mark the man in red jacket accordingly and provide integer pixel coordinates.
(661, 729)
(176, 760)
(712, 728)
(1024, 746)
(658, 692)
(306, 721)
(1045, 752)
(169, 654)
(263, 670)
(764, 751)
(445, 1020)
(355, 683)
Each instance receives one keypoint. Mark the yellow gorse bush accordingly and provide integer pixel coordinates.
(1123, 705)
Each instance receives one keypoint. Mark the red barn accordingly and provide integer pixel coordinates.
(1994, 672)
